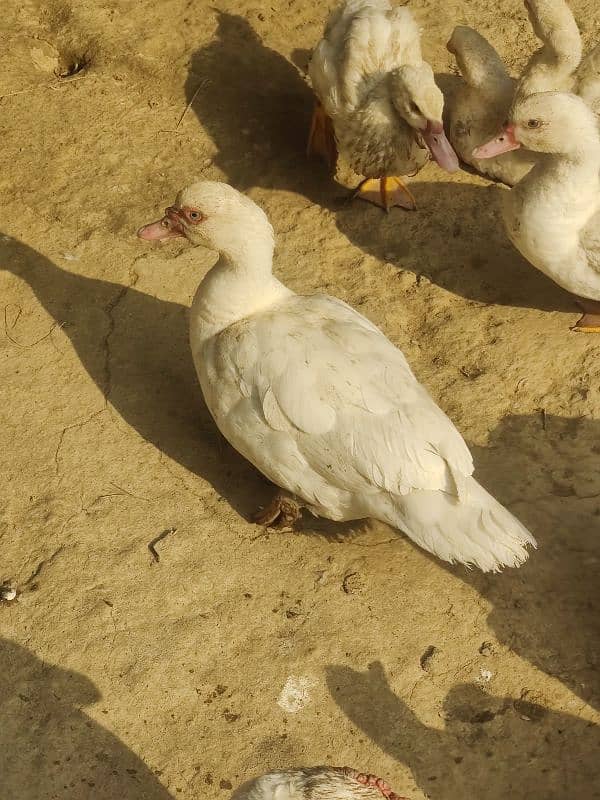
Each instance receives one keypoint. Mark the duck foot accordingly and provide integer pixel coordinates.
(282, 512)
(590, 321)
(321, 139)
(386, 193)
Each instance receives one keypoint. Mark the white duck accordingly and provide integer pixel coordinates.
(553, 215)
(378, 99)
(317, 783)
(479, 105)
(321, 402)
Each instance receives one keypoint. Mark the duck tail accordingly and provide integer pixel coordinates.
(475, 530)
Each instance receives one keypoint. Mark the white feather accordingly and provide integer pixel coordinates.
(364, 41)
(324, 405)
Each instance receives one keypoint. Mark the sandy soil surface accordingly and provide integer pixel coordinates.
(240, 651)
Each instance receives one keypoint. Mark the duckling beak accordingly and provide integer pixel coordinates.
(169, 227)
(439, 146)
(503, 143)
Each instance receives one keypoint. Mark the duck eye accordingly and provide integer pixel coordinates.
(534, 123)
(414, 108)
(195, 215)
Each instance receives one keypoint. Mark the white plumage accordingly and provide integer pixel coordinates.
(369, 75)
(480, 104)
(323, 404)
(553, 215)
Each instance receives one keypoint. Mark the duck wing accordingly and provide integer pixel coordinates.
(363, 41)
(327, 408)
(329, 384)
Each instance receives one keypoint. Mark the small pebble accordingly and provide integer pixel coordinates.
(485, 676)
(486, 649)
(7, 593)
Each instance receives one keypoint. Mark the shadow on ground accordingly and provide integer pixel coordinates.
(135, 347)
(50, 748)
(487, 747)
(547, 611)
(257, 111)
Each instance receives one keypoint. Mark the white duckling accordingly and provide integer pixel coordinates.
(552, 216)
(321, 402)
(317, 783)
(480, 104)
(378, 99)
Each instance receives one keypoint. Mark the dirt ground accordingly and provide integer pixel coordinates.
(239, 651)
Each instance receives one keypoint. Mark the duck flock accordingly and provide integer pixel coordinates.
(309, 390)
(313, 394)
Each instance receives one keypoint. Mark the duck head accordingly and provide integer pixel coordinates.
(545, 122)
(215, 216)
(419, 101)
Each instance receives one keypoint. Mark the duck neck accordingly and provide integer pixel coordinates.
(240, 284)
(547, 71)
(579, 167)
(482, 69)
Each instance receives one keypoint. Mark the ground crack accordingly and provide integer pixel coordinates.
(65, 430)
(109, 309)
(107, 376)
(43, 563)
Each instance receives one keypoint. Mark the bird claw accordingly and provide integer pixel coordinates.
(282, 512)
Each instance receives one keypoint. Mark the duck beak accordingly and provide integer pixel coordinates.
(169, 227)
(503, 143)
(439, 146)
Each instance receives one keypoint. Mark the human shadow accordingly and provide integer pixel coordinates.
(545, 468)
(489, 747)
(257, 107)
(135, 347)
(49, 747)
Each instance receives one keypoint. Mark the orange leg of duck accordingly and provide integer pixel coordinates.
(590, 321)
(386, 192)
(321, 139)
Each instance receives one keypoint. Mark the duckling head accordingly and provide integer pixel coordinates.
(213, 215)
(419, 101)
(546, 122)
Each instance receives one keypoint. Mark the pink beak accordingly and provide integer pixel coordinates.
(503, 143)
(169, 227)
(439, 146)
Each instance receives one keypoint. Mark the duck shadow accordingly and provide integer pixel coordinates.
(135, 347)
(456, 240)
(489, 747)
(49, 747)
(548, 611)
(257, 108)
